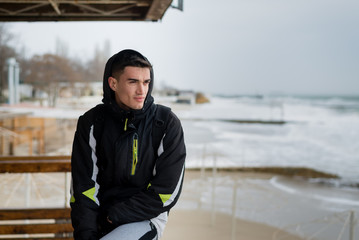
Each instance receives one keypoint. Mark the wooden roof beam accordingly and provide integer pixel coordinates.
(83, 10)
(55, 6)
(5, 11)
(157, 9)
(77, 1)
(121, 9)
(28, 8)
(106, 13)
(84, 6)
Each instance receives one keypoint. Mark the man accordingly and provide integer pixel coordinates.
(123, 182)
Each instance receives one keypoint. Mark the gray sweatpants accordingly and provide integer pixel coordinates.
(144, 230)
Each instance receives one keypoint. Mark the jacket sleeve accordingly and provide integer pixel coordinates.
(84, 202)
(165, 187)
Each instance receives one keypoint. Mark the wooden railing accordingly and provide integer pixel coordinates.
(32, 164)
(40, 223)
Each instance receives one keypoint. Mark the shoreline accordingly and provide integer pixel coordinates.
(304, 172)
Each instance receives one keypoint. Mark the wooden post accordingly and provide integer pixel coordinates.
(2, 145)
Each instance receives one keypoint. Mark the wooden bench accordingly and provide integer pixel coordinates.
(32, 224)
(41, 223)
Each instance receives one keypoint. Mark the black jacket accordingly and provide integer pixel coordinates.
(117, 172)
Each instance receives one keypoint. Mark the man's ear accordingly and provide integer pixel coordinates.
(112, 82)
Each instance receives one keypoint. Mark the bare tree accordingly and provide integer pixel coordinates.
(95, 66)
(47, 72)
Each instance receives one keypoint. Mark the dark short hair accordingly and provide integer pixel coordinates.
(129, 58)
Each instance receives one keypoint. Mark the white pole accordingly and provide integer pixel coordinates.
(28, 195)
(234, 209)
(66, 189)
(202, 173)
(203, 162)
(351, 226)
(16, 83)
(214, 173)
(28, 189)
(10, 75)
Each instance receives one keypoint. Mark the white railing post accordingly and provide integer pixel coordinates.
(351, 225)
(203, 165)
(214, 176)
(66, 189)
(28, 190)
(234, 209)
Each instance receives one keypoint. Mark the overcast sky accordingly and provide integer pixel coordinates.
(228, 46)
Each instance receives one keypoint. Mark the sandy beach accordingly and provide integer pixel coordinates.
(186, 224)
(189, 221)
(250, 205)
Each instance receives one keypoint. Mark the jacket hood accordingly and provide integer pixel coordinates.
(108, 93)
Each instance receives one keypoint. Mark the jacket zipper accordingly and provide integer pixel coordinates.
(134, 153)
(125, 127)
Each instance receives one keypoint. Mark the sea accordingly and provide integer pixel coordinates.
(317, 132)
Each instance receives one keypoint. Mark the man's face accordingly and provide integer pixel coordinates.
(131, 88)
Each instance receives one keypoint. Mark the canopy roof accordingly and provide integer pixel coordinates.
(83, 10)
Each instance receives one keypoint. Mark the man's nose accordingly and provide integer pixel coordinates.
(140, 89)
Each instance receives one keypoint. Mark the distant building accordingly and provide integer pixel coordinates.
(186, 97)
(180, 96)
